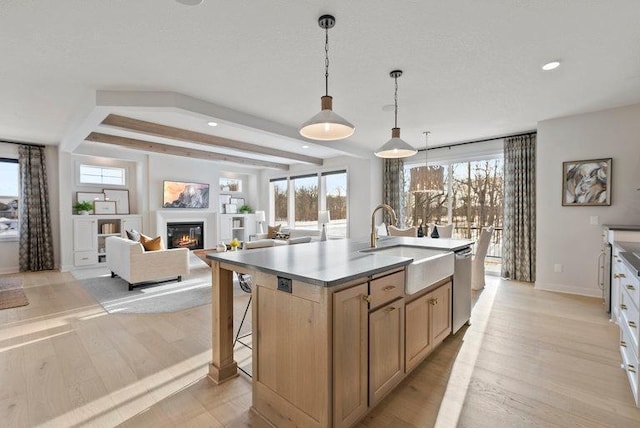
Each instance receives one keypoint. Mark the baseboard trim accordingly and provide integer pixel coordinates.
(12, 269)
(568, 289)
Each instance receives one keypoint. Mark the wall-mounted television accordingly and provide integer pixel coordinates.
(179, 194)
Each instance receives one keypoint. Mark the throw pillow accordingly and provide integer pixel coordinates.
(133, 235)
(272, 231)
(282, 235)
(151, 244)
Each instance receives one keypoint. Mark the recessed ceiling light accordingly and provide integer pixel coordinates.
(212, 123)
(551, 65)
(305, 147)
(189, 2)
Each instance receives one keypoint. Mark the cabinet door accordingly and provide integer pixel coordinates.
(386, 349)
(418, 336)
(225, 229)
(131, 223)
(85, 234)
(350, 335)
(440, 313)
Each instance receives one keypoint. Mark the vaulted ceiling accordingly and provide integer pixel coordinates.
(471, 70)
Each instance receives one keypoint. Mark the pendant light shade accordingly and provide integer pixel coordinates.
(396, 147)
(326, 125)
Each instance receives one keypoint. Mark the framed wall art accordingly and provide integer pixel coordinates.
(223, 200)
(120, 197)
(89, 196)
(586, 183)
(104, 207)
(179, 194)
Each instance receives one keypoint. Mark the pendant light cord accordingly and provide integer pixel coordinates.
(426, 159)
(395, 100)
(326, 61)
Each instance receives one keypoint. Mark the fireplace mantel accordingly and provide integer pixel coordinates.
(183, 215)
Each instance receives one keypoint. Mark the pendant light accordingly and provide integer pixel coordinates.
(395, 147)
(326, 125)
(424, 187)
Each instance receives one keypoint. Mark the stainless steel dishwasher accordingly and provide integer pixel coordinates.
(461, 289)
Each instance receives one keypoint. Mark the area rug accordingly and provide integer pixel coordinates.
(11, 293)
(114, 295)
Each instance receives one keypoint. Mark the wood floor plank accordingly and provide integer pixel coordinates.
(529, 358)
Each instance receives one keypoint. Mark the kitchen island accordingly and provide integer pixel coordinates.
(329, 326)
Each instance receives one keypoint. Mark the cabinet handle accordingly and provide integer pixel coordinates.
(632, 324)
(366, 298)
(623, 343)
(391, 309)
(623, 306)
(618, 260)
(631, 368)
(630, 287)
(619, 275)
(389, 288)
(434, 301)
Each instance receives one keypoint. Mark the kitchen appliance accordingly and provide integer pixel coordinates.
(461, 293)
(604, 275)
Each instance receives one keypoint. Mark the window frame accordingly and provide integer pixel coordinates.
(322, 196)
(16, 236)
(78, 174)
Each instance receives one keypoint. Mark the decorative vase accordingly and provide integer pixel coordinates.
(83, 212)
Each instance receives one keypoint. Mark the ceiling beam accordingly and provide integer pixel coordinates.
(166, 149)
(164, 131)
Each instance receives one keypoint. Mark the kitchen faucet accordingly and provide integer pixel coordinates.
(394, 220)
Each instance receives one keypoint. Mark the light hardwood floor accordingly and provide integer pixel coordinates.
(530, 358)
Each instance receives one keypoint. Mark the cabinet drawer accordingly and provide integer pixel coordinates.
(630, 366)
(85, 258)
(631, 284)
(386, 289)
(629, 320)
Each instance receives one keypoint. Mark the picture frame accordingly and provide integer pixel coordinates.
(104, 207)
(230, 208)
(120, 197)
(222, 201)
(237, 201)
(586, 182)
(89, 196)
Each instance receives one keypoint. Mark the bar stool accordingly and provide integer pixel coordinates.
(245, 282)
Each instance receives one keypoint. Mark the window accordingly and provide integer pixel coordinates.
(279, 201)
(297, 200)
(96, 174)
(305, 195)
(468, 194)
(334, 186)
(230, 185)
(9, 184)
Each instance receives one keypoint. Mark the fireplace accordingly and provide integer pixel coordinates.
(185, 235)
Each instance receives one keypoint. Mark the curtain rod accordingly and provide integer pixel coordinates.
(448, 146)
(22, 144)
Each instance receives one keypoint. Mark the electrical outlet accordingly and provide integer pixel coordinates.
(595, 220)
(557, 268)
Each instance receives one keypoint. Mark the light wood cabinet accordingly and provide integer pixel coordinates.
(350, 347)
(386, 349)
(428, 322)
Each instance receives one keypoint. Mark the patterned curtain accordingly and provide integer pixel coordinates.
(519, 236)
(392, 190)
(36, 247)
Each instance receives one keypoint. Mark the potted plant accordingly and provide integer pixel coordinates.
(245, 209)
(83, 207)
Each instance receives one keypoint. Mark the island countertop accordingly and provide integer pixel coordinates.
(332, 262)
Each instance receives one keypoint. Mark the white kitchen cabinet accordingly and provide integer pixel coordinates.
(629, 322)
(89, 233)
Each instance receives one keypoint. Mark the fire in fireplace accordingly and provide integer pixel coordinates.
(185, 235)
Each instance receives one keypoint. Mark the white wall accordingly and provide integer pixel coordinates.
(564, 234)
(364, 187)
(9, 249)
